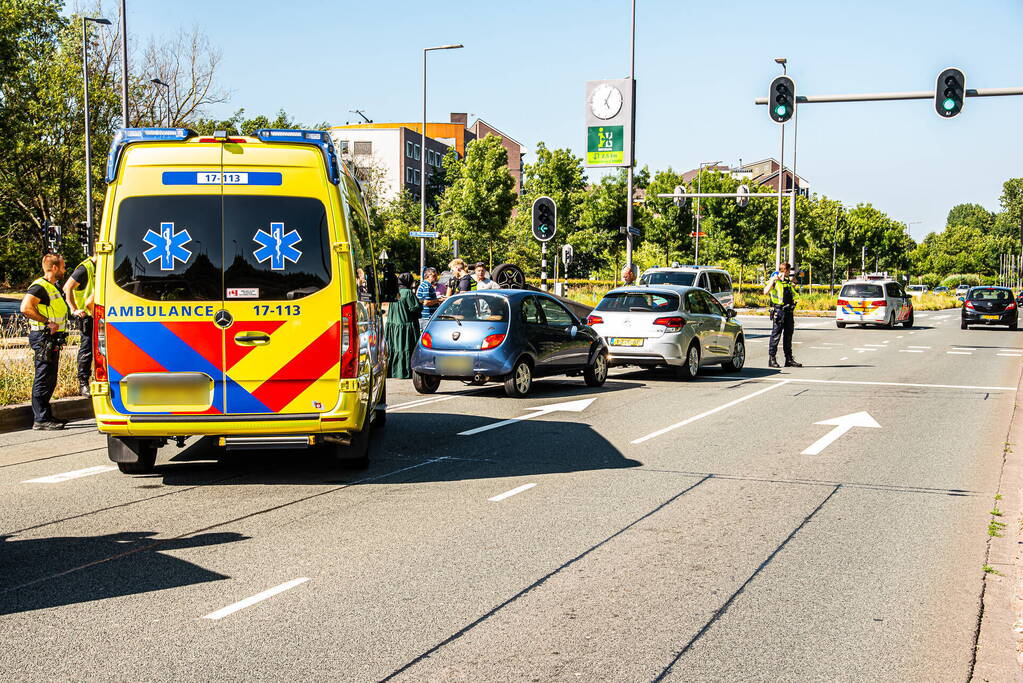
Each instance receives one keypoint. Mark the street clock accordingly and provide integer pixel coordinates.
(606, 101)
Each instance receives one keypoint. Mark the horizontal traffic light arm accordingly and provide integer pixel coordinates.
(687, 195)
(880, 96)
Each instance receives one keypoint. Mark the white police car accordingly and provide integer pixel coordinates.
(873, 300)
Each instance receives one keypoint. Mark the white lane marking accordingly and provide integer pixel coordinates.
(912, 332)
(877, 384)
(842, 425)
(844, 358)
(258, 597)
(859, 350)
(918, 347)
(819, 348)
(1010, 355)
(422, 402)
(910, 351)
(690, 420)
(878, 345)
(570, 406)
(963, 348)
(960, 353)
(832, 344)
(899, 337)
(509, 494)
(75, 474)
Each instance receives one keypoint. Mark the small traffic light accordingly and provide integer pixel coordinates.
(545, 218)
(949, 93)
(781, 100)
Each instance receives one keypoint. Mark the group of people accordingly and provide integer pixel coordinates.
(48, 307)
(407, 316)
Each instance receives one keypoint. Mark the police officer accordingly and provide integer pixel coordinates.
(78, 292)
(47, 313)
(783, 304)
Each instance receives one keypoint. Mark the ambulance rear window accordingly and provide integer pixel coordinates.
(275, 248)
(168, 248)
(863, 291)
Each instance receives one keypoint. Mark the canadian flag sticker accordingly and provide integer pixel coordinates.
(243, 293)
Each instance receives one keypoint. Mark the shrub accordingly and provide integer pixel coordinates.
(971, 279)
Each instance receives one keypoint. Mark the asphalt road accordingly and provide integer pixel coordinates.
(661, 530)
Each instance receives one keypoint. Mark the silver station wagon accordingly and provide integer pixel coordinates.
(684, 328)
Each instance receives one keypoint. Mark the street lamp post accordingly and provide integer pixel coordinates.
(422, 157)
(159, 83)
(124, 63)
(699, 190)
(88, 138)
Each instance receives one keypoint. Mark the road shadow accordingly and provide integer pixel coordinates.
(39, 573)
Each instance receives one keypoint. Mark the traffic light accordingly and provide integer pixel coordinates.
(545, 218)
(781, 100)
(949, 93)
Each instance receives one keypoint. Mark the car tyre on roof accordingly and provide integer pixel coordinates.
(519, 382)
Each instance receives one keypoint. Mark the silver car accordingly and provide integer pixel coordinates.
(681, 327)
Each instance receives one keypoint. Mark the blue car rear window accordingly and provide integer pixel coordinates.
(475, 308)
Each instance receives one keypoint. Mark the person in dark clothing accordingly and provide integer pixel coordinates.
(783, 305)
(461, 280)
(47, 314)
(78, 293)
(402, 328)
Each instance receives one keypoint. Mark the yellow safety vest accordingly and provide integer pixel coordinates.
(778, 292)
(55, 311)
(82, 294)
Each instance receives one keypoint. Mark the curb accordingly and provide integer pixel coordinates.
(19, 416)
(997, 656)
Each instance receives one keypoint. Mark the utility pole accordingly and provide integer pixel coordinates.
(124, 63)
(632, 131)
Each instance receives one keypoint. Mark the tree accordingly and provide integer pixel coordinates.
(973, 215)
(669, 226)
(481, 196)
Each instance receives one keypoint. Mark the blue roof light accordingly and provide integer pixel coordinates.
(127, 136)
(307, 137)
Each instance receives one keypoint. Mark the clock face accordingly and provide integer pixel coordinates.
(606, 101)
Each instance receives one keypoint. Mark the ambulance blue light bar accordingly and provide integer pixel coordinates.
(306, 137)
(127, 136)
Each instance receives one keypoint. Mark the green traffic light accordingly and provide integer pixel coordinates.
(780, 110)
(949, 104)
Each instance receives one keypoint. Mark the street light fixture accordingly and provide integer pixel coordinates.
(422, 157)
(88, 138)
(159, 83)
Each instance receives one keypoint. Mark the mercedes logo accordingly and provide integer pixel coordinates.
(455, 335)
(222, 319)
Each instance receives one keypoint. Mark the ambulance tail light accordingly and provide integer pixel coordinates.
(306, 137)
(99, 343)
(349, 342)
(879, 302)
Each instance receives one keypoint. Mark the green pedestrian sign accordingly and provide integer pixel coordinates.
(605, 145)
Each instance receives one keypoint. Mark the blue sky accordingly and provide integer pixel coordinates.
(699, 66)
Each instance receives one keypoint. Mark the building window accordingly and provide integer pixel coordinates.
(408, 149)
(429, 156)
(417, 177)
(363, 147)
(417, 152)
(408, 174)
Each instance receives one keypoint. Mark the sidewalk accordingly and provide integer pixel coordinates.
(998, 655)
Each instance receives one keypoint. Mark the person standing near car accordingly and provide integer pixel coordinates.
(481, 277)
(427, 296)
(628, 276)
(461, 281)
(77, 292)
(782, 291)
(47, 314)
(402, 329)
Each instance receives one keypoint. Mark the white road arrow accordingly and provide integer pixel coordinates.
(569, 406)
(842, 425)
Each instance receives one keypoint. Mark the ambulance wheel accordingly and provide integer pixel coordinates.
(839, 325)
(355, 455)
(133, 456)
(425, 384)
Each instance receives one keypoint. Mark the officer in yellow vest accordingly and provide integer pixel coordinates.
(782, 290)
(78, 291)
(47, 313)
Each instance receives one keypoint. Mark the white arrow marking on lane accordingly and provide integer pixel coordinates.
(57, 478)
(842, 425)
(569, 406)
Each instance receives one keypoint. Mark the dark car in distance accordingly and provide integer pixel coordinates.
(990, 306)
(506, 335)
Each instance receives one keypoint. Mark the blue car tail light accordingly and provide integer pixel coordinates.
(306, 137)
(127, 136)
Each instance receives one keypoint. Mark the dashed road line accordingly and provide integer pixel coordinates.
(74, 474)
(1010, 355)
(918, 347)
(509, 494)
(960, 353)
(870, 383)
(910, 351)
(258, 597)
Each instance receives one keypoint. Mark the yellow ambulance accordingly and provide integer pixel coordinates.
(227, 301)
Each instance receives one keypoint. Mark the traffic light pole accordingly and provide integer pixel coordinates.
(781, 186)
(882, 96)
(792, 195)
(543, 266)
(632, 131)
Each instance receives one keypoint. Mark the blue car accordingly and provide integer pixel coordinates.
(507, 335)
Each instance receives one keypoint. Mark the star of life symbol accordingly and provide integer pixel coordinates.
(167, 246)
(277, 246)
